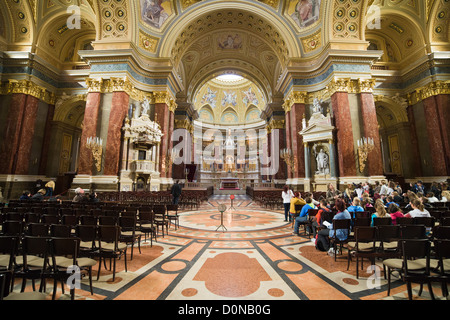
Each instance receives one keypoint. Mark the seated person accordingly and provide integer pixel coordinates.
(303, 214)
(355, 207)
(26, 195)
(296, 200)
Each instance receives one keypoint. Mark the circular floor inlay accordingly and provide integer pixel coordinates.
(190, 292)
(350, 281)
(276, 292)
(172, 266)
(236, 220)
(290, 266)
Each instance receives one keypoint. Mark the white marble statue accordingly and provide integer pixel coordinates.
(145, 107)
(322, 162)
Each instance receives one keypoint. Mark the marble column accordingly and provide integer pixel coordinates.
(288, 138)
(414, 143)
(11, 136)
(281, 173)
(47, 137)
(89, 130)
(119, 109)
(307, 161)
(162, 111)
(370, 123)
(435, 137)
(332, 159)
(296, 117)
(443, 107)
(170, 142)
(26, 136)
(345, 143)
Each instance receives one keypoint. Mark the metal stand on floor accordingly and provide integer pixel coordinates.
(222, 209)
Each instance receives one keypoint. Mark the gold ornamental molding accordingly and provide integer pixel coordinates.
(347, 85)
(125, 85)
(275, 124)
(28, 87)
(184, 124)
(432, 89)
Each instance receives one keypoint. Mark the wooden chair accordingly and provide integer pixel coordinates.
(340, 224)
(363, 246)
(442, 250)
(146, 225)
(129, 233)
(173, 217)
(109, 247)
(160, 219)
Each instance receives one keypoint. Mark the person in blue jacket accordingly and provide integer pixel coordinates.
(303, 216)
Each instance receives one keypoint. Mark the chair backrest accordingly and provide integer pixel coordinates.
(362, 222)
(146, 217)
(38, 229)
(172, 207)
(442, 250)
(365, 234)
(31, 217)
(362, 214)
(415, 248)
(298, 208)
(127, 223)
(12, 228)
(109, 234)
(413, 232)
(441, 232)
(159, 209)
(382, 221)
(14, 216)
(34, 246)
(60, 230)
(86, 232)
(88, 220)
(107, 220)
(9, 246)
(445, 221)
(70, 220)
(341, 224)
(403, 221)
(312, 212)
(50, 219)
(428, 222)
(388, 233)
(64, 246)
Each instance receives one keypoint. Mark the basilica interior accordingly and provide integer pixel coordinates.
(84, 71)
(121, 96)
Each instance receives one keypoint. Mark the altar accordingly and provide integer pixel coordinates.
(229, 184)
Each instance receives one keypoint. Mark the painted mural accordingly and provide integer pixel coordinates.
(155, 12)
(304, 12)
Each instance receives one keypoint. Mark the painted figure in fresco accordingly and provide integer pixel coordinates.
(229, 98)
(306, 12)
(153, 12)
(231, 42)
(250, 97)
(210, 98)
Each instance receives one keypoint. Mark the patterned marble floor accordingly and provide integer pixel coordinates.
(256, 258)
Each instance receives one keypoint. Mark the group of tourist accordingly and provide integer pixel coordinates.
(382, 199)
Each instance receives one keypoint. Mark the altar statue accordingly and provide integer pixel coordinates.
(322, 162)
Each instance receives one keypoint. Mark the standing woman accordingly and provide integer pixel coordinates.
(287, 195)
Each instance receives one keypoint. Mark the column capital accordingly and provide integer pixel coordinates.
(432, 89)
(30, 88)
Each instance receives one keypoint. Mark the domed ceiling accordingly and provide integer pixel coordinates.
(229, 102)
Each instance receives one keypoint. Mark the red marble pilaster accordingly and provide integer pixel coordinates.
(11, 137)
(281, 173)
(288, 138)
(162, 111)
(370, 123)
(434, 136)
(170, 142)
(26, 136)
(296, 117)
(89, 130)
(443, 106)
(47, 137)
(345, 144)
(119, 108)
(414, 142)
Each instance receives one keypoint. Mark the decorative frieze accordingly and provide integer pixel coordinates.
(432, 89)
